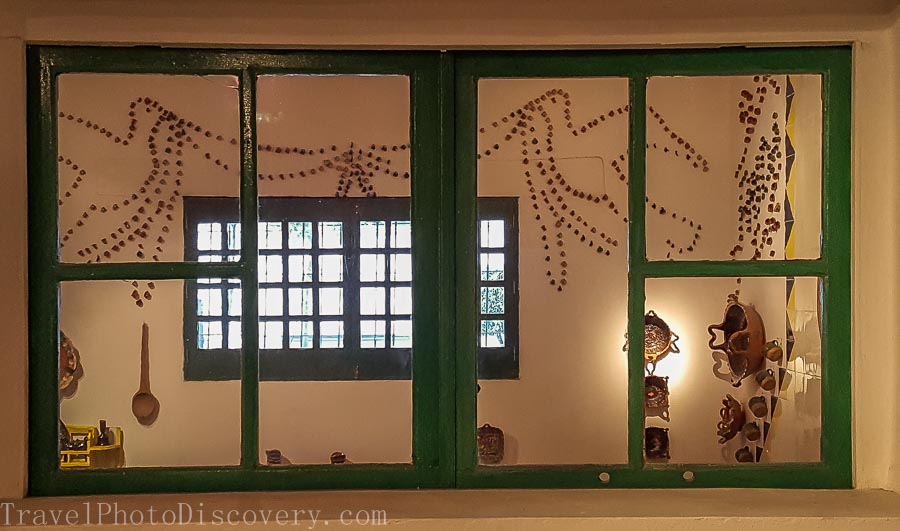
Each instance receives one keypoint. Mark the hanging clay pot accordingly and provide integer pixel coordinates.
(656, 392)
(656, 443)
(733, 417)
(773, 351)
(766, 379)
(751, 431)
(743, 338)
(490, 445)
(659, 340)
(758, 406)
(744, 455)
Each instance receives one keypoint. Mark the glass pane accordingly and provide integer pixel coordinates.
(233, 232)
(331, 334)
(234, 302)
(104, 334)
(493, 333)
(371, 301)
(333, 153)
(301, 334)
(271, 301)
(492, 300)
(235, 339)
(492, 233)
(401, 334)
(372, 234)
(371, 334)
(270, 268)
(331, 301)
(371, 267)
(738, 372)
(300, 268)
(271, 335)
(552, 232)
(331, 268)
(131, 147)
(491, 265)
(331, 235)
(299, 235)
(209, 302)
(401, 235)
(269, 235)
(754, 143)
(300, 301)
(401, 301)
(401, 268)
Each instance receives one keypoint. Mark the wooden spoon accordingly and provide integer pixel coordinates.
(144, 405)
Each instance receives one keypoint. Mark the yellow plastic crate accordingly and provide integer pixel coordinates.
(108, 456)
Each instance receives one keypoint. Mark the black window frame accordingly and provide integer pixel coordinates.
(352, 361)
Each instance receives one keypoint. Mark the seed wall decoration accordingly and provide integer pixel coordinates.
(557, 204)
(138, 226)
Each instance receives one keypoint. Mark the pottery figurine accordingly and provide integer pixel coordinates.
(773, 351)
(751, 431)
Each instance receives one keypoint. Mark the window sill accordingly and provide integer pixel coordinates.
(519, 509)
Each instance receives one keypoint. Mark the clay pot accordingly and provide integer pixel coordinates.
(743, 335)
(744, 455)
(758, 406)
(773, 351)
(751, 431)
(766, 379)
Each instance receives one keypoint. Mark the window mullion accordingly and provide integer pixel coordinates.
(250, 276)
(636, 262)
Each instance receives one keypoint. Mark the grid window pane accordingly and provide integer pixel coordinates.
(299, 235)
(234, 335)
(209, 236)
(271, 301)
(209, 302)
(270, 268)
(401, 268)
(401, 236)
(371, 301)
(270, 235)
(271, 335)
(331, 268)
(209, 335)
(300, 301)
(234, 302)
(401, 334)
(301, 334)
(234, 236)
(331, 235)
(371, 334)
(493, 333)
(491, 265)
(492, 233)
(300, 268)
(371, 267)
(492, 300)
(331, 334)
(331, 301)
(401, 301)
(372, 234)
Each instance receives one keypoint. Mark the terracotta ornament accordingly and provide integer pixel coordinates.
(743, 338)
(656, 443)
(733, 418)
(656, 392)
(70, 368)
(490, 445)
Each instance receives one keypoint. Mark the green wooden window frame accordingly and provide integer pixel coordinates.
(443, 89)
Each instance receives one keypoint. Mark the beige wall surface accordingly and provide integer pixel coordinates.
(872, 26)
